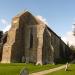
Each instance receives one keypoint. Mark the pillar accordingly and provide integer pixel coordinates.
(40, 32)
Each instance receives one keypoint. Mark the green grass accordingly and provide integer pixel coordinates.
(71, 71)
(15, 68)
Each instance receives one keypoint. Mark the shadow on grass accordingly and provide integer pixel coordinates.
(69, 70)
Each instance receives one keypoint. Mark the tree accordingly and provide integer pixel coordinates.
(72, 47)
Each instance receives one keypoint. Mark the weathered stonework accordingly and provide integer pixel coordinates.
(30, 40)
(1, 44)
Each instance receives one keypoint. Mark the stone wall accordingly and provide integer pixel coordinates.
(54, 48)
(19, 40)
(29, 40)
(1, 44)
(1, 34)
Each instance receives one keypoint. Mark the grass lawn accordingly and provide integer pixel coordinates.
(71, 71)
(15, 68)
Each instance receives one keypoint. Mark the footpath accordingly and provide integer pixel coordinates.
(50, 70)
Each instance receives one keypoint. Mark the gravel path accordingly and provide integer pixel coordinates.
(50, 70)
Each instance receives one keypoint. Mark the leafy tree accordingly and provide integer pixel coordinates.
(72, 47)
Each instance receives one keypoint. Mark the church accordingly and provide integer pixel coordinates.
(30, 40)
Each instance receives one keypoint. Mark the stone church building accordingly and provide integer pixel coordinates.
(30, 40)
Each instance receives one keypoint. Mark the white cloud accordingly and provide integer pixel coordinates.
(7, 28)
(6, 24)
(69, 38)
(42, 19)
(4, 21)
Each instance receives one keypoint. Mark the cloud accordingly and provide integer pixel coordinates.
(7, 28)
(4, 21)
(69, 38)
(42, 19)
(6, 24)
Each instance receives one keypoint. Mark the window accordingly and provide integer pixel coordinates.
(31, 38)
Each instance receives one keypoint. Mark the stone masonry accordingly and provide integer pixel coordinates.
(1, 44)
(32, 41)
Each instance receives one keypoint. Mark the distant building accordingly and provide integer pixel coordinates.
(32, 40)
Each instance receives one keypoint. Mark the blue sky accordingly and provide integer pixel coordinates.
(60, 14)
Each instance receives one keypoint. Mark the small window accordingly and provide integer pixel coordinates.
(31, 38)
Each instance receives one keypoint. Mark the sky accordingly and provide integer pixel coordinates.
(59, 14)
